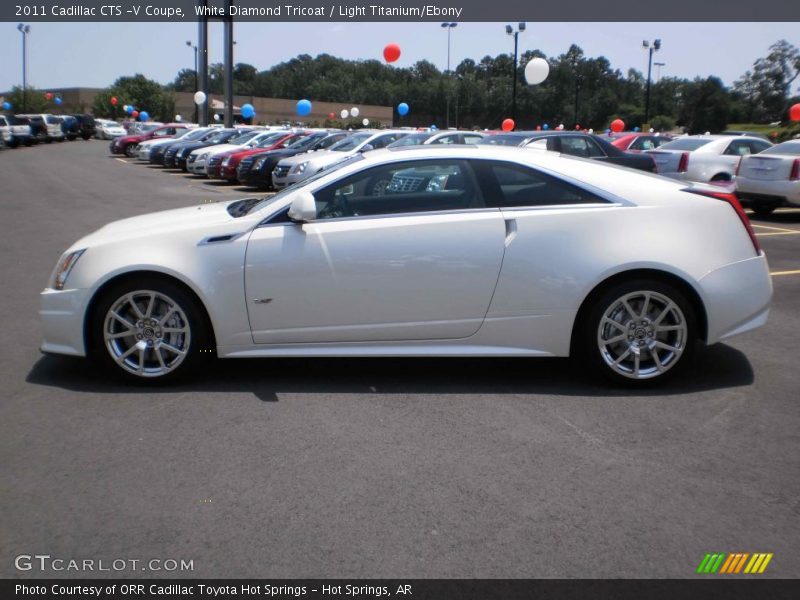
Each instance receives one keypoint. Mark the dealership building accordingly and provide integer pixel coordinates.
(268, 110)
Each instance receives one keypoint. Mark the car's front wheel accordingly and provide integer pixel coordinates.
(149, 330)
(640, 331)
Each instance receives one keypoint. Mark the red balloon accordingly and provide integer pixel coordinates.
(538, 128)
(617, 125)
(794, 112)
(391, 53)
(331, 115)
(508, 124)
(49, 95)
(135, 114)
(577, 127)
(114, 100)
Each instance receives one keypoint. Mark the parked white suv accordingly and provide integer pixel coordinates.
(14, 131)
(46, 127)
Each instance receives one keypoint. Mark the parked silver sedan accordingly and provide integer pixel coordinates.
(705, 158)
(770, 179)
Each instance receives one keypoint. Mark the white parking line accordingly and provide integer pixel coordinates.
(779, 273)
(770, 227)
(778, 233)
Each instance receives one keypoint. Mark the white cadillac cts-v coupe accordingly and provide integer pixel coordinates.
(445, 251)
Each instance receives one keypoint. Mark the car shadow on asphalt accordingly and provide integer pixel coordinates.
(787, 218)
(715, 367)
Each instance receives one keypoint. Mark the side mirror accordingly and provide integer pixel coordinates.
(303, 208)
(366, 148)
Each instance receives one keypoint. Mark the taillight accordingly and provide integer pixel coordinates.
(795, 174)
(731, 199)
(683, 164)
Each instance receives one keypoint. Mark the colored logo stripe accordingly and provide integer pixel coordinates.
(734, 562)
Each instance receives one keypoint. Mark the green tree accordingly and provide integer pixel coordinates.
(34, 100)
(138, 91)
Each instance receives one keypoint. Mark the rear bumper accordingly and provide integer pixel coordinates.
(62, 313)
(774, 193)
(737, 297)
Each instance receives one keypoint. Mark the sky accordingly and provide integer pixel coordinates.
(95, 54)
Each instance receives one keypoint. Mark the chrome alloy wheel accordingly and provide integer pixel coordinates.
(642, 335)
(147, 333)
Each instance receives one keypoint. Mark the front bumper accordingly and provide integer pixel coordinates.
(62, 313)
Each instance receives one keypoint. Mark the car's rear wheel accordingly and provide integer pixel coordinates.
(148, 330)
(640, 332)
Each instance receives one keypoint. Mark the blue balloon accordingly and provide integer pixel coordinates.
(248, 112)
(637, 129)
(6, 105)
(545, 126)
(144, 115)
(402, 109)
(129, 110)
(303, 108)
(434, 128)
(58, 100)
(608, 131)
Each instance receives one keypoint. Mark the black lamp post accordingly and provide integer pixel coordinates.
(510, 31)
(189, 43)
(655, 47)
(24, 30)
(449, 27)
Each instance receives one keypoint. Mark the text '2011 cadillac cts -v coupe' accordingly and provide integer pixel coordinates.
(445, 251)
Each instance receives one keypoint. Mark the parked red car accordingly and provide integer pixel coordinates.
(230, 160)
(637, 142)
(125, 144)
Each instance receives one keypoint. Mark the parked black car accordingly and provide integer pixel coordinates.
(256, 170)
(158, 152)
(86, 128)
(575, 143)
(178, 154)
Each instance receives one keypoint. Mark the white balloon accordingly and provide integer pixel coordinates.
(345, 113)
(354, 111)
(652, 130)
(365, 122)
(199, 97)
(178, 118)
(216, 117)
(536, 71)
(591, 130)
(561, 126)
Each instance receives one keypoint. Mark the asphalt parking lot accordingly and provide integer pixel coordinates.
(379, 468)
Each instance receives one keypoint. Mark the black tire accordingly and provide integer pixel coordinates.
(13, 143)
(129, 150)
(198, 348)
(640, 330)
(763, 210)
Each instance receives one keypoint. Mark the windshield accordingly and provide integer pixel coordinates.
(270, 140)
(244, 137)
(148, 128)
(237, 210)
(685, 144)
(350, 143)
(784, 148)
(222, 136)
(415, 139)
(305, 142)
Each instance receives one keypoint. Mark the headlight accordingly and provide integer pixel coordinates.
(203, 156)
(300, 168)
(64, 268)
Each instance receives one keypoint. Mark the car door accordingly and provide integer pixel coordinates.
(417, 260)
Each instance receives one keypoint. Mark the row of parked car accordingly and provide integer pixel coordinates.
(30, 129)
(764, 175)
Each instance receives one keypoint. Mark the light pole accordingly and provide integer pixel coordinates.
(658, 66)
(510, 31)
(189, 43)
(655, 47)
(449, 27)
(24, 30)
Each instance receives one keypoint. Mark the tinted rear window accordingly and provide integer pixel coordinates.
(503, 140)
(784, 148)
(685, 144)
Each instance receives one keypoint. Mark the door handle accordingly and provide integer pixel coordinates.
(511, 231)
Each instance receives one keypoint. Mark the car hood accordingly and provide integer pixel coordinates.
(321, 157)
(180, 219)
(219, 148)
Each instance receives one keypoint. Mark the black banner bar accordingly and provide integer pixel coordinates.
(733, 588)
(408, 10)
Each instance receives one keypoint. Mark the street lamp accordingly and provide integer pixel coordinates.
(449, 27)
(24, 30)
(655, 47)
(189, 43)
(510, 31)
